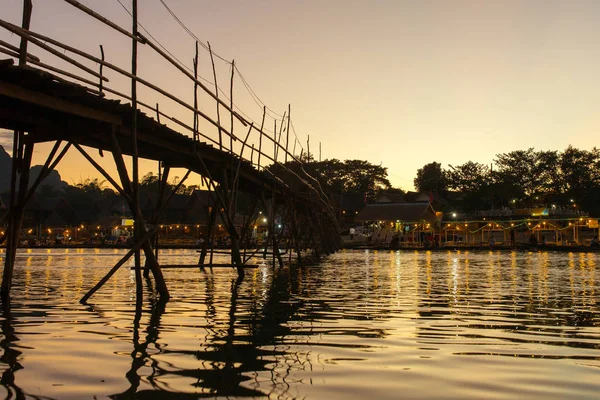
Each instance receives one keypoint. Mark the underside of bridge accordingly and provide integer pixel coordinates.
(40, 106)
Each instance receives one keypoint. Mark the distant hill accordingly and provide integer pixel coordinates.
(52, 180)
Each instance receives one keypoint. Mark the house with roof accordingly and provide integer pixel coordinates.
(403, 222)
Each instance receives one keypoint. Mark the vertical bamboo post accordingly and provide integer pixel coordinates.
(274, 142)
(196, 97)
(27, 9)
(260, 136)
(278, 137)
(134, 157)
(212, 60)
(319, 151)
(158, 202)
(294, 151)
(15, 210)
(287, 133)
(101, 66)
(231, 106)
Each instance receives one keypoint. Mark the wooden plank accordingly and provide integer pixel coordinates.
(196, 266)
(54, 103)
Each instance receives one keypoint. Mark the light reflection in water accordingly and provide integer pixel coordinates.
(512, 324)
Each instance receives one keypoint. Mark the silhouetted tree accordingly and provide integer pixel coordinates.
(431, 178)
(469, 177)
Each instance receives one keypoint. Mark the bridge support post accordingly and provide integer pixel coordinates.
(295, 236)
(21, 162)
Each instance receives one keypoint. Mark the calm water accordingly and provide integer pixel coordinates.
(416, 325)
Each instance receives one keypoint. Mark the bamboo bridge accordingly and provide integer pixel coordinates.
(42, 103)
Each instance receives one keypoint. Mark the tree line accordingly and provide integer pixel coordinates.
(520, 178)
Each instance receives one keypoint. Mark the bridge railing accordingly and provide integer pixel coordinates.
(278, 148)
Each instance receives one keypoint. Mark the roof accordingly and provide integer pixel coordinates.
(404, 212)
(415, 197)
(390, 198)
(350, 201)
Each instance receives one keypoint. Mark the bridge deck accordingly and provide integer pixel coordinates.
(50, 109)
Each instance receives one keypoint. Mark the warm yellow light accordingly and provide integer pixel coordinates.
(197, 226)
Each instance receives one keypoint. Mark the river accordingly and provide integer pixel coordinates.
(363, 324)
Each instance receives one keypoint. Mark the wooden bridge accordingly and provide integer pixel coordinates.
(43, 103)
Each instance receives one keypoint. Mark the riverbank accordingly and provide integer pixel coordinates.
(518, 247)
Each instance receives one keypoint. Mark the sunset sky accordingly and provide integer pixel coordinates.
(401, 83)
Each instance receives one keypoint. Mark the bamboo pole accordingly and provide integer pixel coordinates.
(16, 210)
(159, 199)
(27, 9)
(195, 61)
(231, 104)
(15, 54)
(101, 66)
(135, 155)
(104, 20)
(21, 163)
(29, 36)
(212, 60)
(32, 37)
(46, 168)
(105, 174)
(136, 247)
(15, 49)
(146, 246)
(262, 124)
(287, 132)
(142, 39)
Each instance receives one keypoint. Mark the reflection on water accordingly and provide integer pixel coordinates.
(362, 324)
